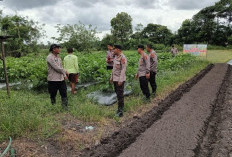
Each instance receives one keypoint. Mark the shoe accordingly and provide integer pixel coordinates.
(119, 114)
(146, 99)
(65, 108)
(64, 103)
(53, 101)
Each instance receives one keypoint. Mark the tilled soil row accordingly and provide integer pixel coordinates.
(113, 145)
(216, 137)
(176, 133)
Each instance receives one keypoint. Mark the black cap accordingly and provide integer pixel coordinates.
(70, 50)
(54, 46)
(140, 46)
(118, 46)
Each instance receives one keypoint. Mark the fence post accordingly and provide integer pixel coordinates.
(4, 68)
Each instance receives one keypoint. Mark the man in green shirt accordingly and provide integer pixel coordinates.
(71, 66)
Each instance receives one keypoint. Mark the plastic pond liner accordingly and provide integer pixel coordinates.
(3, 85)
(104, 98)
(82, 85)
(230, 62)
(29, 85)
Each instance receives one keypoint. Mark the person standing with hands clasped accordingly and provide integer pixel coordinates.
(153, 68)
(56, 76)
(143, 71)
(118, 77)
(71, 65)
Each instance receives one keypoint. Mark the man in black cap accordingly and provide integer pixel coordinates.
(143, 71)
(56, 76)
(118, 77)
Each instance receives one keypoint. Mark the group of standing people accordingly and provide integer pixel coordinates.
(115, 61)
(57, 74)
(147, 68)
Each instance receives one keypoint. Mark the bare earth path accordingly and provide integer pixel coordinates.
(175, 134)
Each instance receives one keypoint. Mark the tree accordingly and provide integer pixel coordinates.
(107, 39)
(230, 40)
(224, 10)
(186, 34)
(204, 24)
(121, 27)
(25, 32)
(78, 36)
(137, 35)
(210, 25)
(157, 34)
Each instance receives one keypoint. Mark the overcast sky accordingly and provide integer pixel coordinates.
(170, 13)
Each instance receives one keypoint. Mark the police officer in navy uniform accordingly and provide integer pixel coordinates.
(118, 77)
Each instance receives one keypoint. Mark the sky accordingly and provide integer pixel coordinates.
(98, 13)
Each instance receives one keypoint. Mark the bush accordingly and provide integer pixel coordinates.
(92, 67)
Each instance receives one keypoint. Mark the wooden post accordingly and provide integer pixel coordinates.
(4, 67)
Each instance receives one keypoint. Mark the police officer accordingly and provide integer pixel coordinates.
(56, 76)
(109, 57)
(118, 77)
(153, 67)
(143, 71)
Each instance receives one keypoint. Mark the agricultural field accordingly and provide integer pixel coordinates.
(29, 115)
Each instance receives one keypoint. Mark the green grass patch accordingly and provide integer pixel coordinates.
(219, 56)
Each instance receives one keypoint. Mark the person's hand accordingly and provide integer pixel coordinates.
(66, 73)
(148, 75)
(111, 81)
(119, 83)
(66, 78)
(136, 76)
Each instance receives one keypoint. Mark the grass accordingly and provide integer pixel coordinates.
(29, 114)
(219, 56)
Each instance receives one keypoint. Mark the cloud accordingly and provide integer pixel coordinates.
(27, 4)
(190, 4)
(99, 13)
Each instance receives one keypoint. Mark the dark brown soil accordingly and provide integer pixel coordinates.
(217, 138)
(176, 134)
(169, 130)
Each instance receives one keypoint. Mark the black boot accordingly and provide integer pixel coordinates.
(119, 112)
(53, 101)
(64, 103)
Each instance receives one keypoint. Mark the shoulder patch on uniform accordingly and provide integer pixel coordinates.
(145, 57)
(153, 55)
(123, 60)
